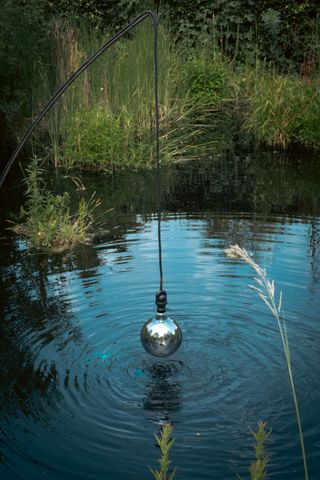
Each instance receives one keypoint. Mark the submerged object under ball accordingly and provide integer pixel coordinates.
(161, 336)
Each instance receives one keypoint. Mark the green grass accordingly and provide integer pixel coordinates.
(106, 119)
(48, 221)
(283, 110)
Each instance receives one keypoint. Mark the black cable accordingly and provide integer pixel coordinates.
(158, 182)
(70, 81)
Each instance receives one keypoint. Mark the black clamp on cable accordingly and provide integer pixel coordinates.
(161, 301)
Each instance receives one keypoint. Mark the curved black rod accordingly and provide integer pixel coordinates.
(70, 81)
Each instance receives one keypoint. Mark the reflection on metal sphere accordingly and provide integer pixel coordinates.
(161, 336)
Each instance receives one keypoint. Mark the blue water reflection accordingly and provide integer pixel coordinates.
(81, 399)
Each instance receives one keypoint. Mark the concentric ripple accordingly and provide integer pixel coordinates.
(81, 399)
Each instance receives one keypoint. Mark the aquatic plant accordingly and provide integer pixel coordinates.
(258, 469)
(266, 291)
(48, 221)
(165, 442)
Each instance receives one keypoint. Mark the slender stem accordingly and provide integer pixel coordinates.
(266, 291)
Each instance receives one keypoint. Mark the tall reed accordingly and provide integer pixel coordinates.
(266, 291)
(283, 110)
(106, 118)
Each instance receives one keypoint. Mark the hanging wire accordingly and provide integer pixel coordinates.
(70, 81)
(158, 179)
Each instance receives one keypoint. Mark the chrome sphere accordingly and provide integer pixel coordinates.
(161, 336)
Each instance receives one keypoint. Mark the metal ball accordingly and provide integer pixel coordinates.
(161, 336)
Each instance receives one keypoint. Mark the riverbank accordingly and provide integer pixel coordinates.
(207, 97)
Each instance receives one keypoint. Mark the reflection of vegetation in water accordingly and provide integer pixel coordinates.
(285, 185)
(240, 181)
(30, 311)
(37, 316)
(163, 393)
(314, 244)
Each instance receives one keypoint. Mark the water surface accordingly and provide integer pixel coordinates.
(81, 399)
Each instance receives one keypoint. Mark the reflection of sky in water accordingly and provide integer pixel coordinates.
(228, 373)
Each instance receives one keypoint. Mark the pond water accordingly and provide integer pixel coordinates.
(81, 399)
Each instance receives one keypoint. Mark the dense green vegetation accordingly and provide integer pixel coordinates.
(107, 118)
(283, 110)
(228, 67)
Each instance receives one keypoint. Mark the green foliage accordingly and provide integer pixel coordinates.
(165, 444)
(258, 469)
(249, 30)
(283, 110)
(48, 220)
(23, 41)
(100, 12)
(206, 80)
(42, 43)
(98, 139)
(107, 117)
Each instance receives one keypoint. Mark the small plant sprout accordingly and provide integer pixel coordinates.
(258, 469)
(266, 291)
(165, 443)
